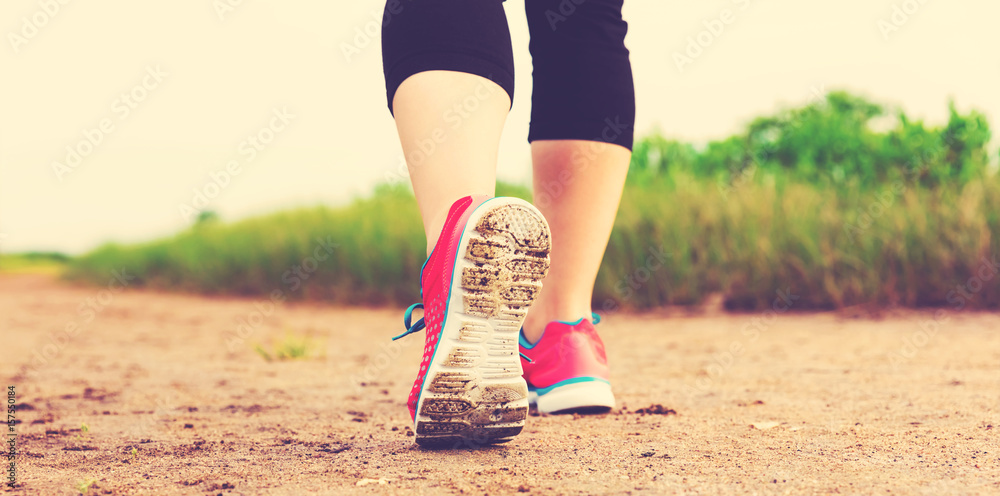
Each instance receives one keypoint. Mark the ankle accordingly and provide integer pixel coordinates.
(538, 318)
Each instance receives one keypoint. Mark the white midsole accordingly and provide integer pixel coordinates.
(588, 394)
(497, 348)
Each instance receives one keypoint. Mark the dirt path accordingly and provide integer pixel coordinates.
(174, 402)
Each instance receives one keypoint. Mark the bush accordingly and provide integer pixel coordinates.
(826, 201)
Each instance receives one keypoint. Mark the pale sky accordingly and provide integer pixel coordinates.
(212, 78)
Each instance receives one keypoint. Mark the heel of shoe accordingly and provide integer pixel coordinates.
(475, 394)
(483, 413)
(579, 397)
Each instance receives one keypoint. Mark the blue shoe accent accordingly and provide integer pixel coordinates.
(575, 380)
(410, 329)
(523, 341)
(571, 323)
(596, 319)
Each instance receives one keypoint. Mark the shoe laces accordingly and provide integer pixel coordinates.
(407, 317)
(421, 325)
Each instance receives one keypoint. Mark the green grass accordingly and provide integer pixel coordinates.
(915, 245)
(33, 263)
(84, 432)
(814, 200)
(84, 486)
(767, 233)
(291, 347)
(376, 249)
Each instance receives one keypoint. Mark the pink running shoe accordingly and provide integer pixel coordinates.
(476, 286)
(568, 370)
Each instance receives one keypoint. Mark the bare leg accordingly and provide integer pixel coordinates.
(578, 186)
(449, 124)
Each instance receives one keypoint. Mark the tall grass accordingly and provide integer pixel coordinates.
(376, 249)
(832, 247)
(33, 262)
(816, 201)
(899, 244)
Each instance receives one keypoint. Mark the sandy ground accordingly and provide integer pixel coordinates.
(175, 401)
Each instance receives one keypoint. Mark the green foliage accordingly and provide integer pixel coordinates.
(367, 252)
(33, 262)
(839, 201)
(291, 347)
(206, 217)
(84, 432)
(889, 244)
(378, 248)
(84, 486)
(832, 141)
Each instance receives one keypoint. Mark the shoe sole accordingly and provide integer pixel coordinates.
(581, 397)
(473, 393)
